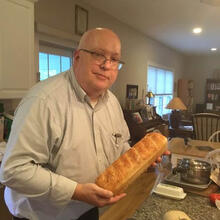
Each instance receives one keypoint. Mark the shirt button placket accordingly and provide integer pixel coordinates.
(98, 142)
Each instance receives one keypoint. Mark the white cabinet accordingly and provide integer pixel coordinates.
(16, 47)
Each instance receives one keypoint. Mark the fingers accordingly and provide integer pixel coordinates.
(167, 152)
(107, 198)
(159, 159)
(104, 193)
(116, 198)
(154, 164)
(93, 194)
(104, 201)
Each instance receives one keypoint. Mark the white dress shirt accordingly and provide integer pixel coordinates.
(58, 140)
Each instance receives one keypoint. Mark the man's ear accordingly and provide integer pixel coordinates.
(76, 55)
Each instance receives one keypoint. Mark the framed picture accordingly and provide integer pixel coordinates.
(81, 20)
(148, 113)
(209, 106)
(132, 92)
(137, 117)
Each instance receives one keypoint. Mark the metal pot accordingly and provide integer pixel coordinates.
(194, 171)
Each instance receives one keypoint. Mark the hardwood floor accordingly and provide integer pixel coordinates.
(136, 194)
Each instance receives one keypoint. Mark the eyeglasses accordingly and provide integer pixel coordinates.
(101, 59)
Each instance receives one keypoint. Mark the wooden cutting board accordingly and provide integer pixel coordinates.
(137, 192)
(211, 189)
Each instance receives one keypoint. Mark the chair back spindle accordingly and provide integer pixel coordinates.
(215, 137)
(204, 125)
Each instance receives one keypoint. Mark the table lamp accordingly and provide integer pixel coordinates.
(149, 95)
(175, 104)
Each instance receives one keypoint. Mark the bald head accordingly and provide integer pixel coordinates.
(94, 76)
(93, 36)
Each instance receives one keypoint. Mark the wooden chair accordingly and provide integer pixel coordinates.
(204, 125)
(215, 137)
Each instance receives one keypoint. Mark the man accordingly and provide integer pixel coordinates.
(66, 131)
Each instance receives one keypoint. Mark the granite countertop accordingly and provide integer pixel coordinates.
(195, 206)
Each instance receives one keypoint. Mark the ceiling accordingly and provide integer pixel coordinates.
(170, 21)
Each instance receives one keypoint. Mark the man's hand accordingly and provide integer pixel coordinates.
(159, 159)
(95, 195)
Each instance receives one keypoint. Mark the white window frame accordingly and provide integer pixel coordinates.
(55, 50)
(164, 111)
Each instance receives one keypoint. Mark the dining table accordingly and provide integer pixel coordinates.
(197, 148)
(193, 149)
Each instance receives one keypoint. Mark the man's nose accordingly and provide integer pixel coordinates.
(107, 63)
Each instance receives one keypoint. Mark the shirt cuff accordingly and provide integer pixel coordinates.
(62, 189)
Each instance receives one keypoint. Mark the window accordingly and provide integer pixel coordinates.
(160, 82)
(53, 61)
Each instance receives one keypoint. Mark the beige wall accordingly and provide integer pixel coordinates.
(199, 68)
(55, 21)
(137, 50)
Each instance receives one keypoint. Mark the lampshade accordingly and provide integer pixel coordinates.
(150, 95)
(176, 104)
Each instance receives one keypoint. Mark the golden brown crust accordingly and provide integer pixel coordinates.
(132, 163)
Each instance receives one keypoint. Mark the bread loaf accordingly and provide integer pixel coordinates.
(176, 215)
(132, 163)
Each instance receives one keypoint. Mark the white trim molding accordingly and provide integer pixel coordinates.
(53, 35)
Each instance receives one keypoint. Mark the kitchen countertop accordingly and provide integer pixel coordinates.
(140, 204)
(195, 206)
